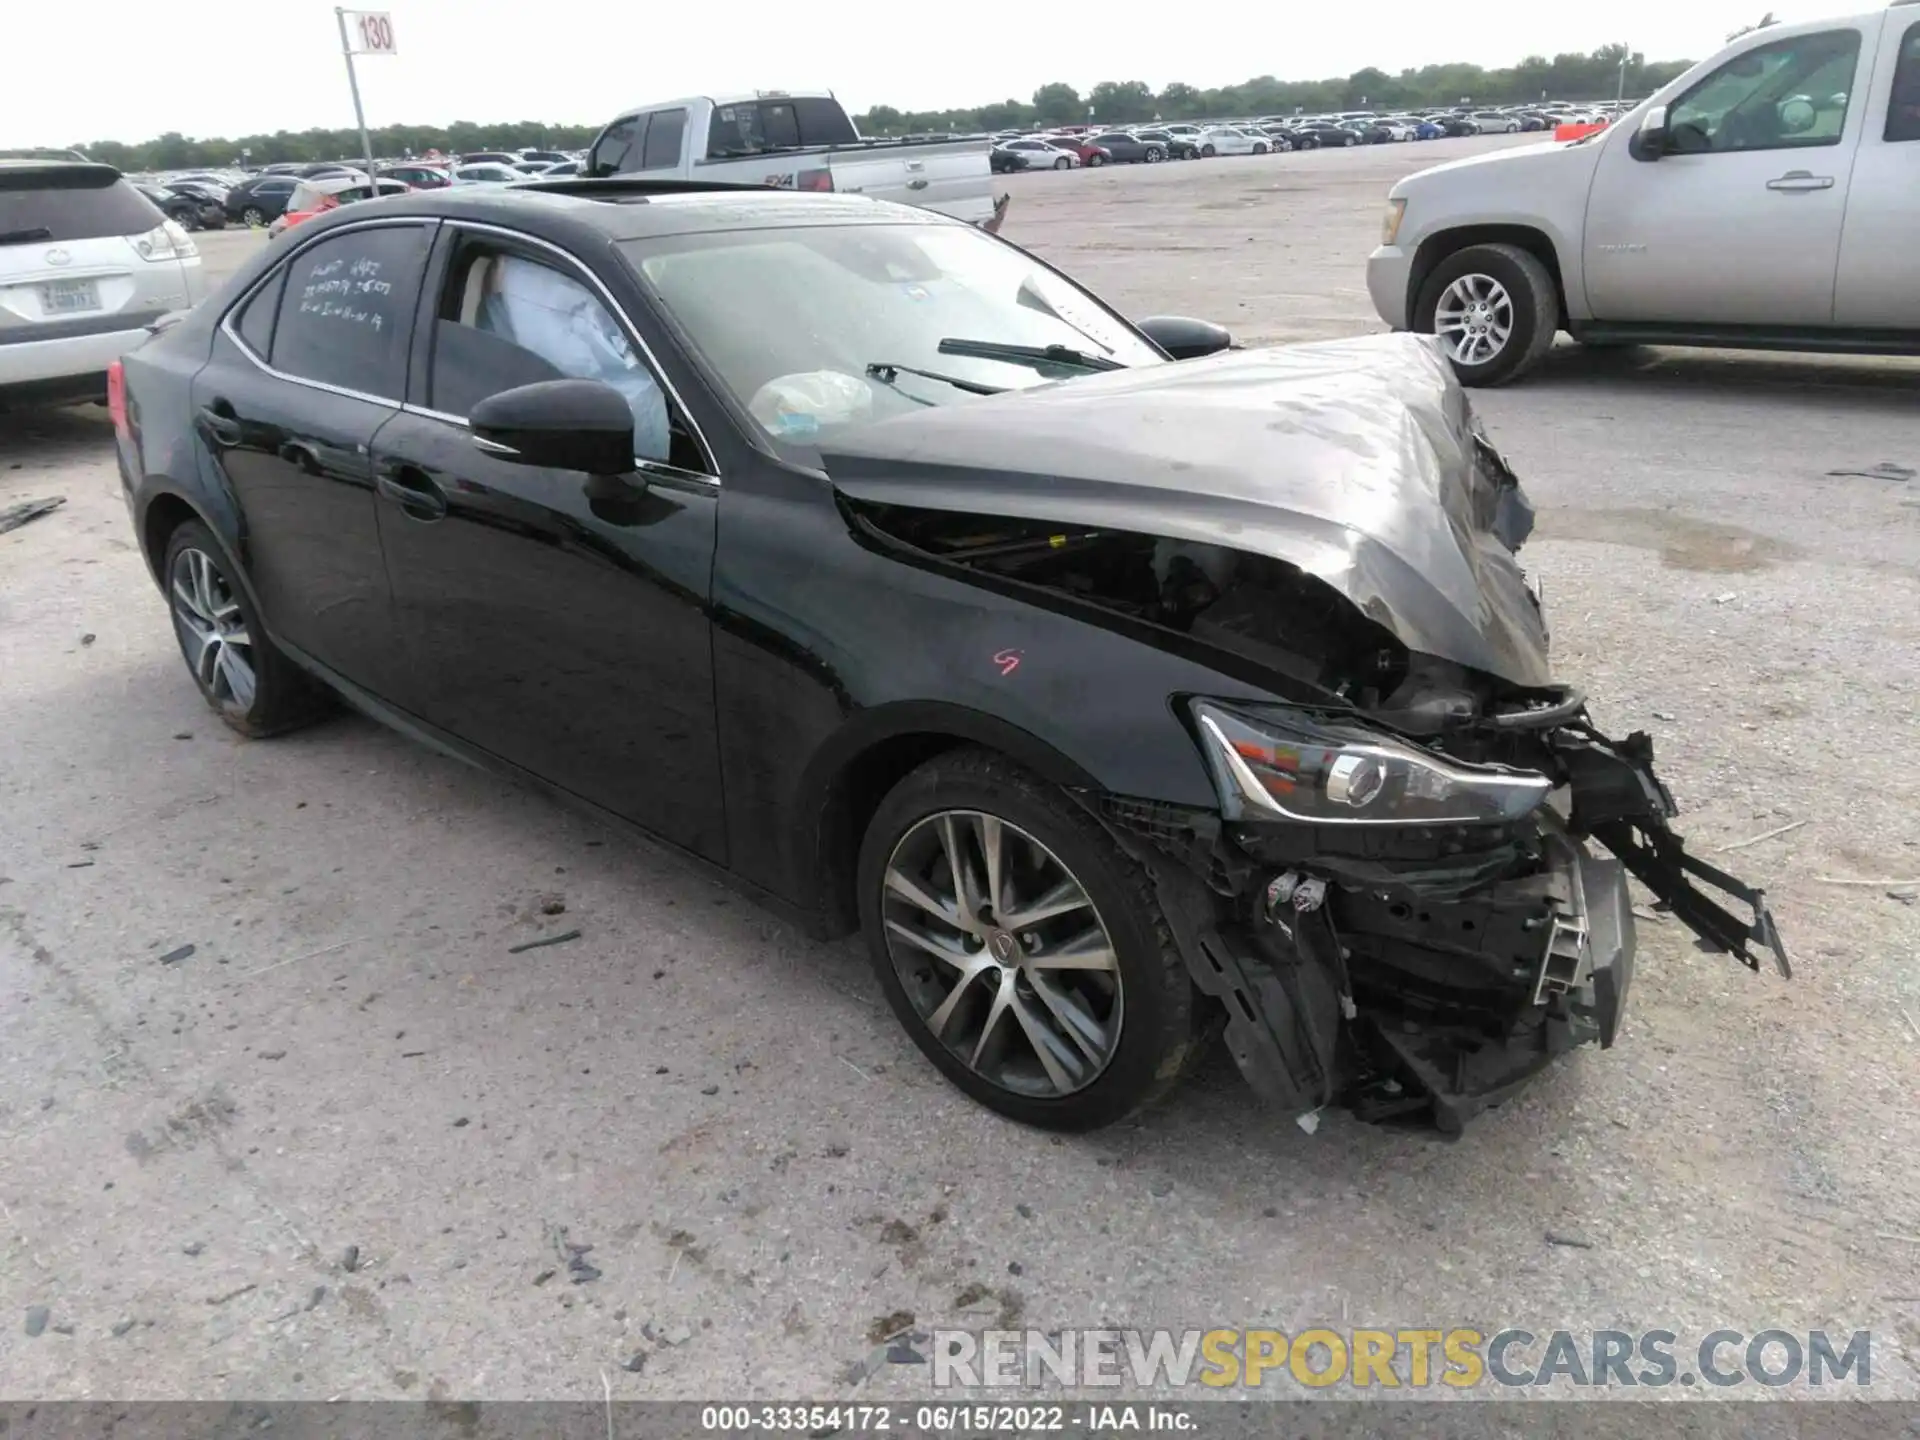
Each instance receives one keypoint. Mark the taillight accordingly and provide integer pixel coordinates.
(117, 399)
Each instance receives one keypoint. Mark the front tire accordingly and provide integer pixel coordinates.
(1155, 154)
(1024, 952)
(1208, 151)
(253, 217)
(243, 678)
(1063, 163)
(1260, 149)
(1494, 309)
(1093, 160)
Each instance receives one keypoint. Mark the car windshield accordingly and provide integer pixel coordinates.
(816, 327)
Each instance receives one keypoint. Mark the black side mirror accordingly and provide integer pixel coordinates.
(1649, 142)
(1185, 339)
(561, 424)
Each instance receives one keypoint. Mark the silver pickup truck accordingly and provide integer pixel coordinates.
(802, 140)
(1769, 198)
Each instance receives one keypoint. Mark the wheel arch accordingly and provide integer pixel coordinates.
(1438, 247)
(855, 770)
(165, 512)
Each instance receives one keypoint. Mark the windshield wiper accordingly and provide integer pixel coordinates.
(25, 237)
(886, 370)
(1035, 355)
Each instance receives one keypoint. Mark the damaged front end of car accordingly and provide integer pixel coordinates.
(1411, 892)
(1416, 927)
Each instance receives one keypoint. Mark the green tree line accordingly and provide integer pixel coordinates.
(1593, 76)
(174, 151)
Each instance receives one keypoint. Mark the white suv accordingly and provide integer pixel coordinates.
(86, 264)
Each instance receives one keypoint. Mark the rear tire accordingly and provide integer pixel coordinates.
(1486, 294)
(244, 679)
(1096, 160)
(253, 217)
(1051, 1045)
(1208, 151)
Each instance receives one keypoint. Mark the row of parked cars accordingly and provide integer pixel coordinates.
(212, 199)
(1149, 144)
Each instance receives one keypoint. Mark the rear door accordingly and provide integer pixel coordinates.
(303, 373)
(1879, 279)
(84, 265)
(556, 620)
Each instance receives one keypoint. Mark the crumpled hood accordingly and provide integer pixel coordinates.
(1352, 460)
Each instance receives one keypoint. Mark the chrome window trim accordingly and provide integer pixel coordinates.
(233, 334)
(711, 475)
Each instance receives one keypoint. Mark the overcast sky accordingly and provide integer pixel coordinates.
(229, 67)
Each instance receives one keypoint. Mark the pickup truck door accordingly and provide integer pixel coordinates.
(1879, 281)
(1738, 222)
(954, 177)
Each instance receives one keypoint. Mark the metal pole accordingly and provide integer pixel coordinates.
(1620, 95)
(353, 84)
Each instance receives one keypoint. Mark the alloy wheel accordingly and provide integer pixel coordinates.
(1474, 319)
(1002, 953)
(213, 633)
(253, 215)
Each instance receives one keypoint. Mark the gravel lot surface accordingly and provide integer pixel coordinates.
(339, 1148)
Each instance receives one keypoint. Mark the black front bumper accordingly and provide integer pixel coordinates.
(1431, 985)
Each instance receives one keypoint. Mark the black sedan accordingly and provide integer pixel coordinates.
(186, 208)
(261, 199)
(1314, 135)
(1175, 146)
(1125, 148)
(1120, 687)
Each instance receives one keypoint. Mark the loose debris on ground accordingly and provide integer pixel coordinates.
(14, 516)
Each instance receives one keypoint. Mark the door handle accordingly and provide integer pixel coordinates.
(219, 422)
(1801, 180)
(412, 489)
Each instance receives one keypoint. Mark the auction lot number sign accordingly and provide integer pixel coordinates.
(369, 32)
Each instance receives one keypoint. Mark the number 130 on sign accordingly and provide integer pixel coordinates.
(369, 32)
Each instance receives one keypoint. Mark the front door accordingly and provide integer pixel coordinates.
(555, 620)
(1738, 223)
(299, 382)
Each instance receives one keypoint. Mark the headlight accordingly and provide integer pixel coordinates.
(1337, 774)
(1390, 222)
(166, 241)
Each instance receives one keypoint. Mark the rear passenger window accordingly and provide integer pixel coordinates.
(664, 133)
(255, 323)
(346, 317)
(1903, 111)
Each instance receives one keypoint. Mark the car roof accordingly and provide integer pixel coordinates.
(620, 209)
(71, 169)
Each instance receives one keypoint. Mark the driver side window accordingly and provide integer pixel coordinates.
(507, 319)
(1788, 95)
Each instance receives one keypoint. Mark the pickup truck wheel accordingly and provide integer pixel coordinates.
(1494, 309)
(1023, 951)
